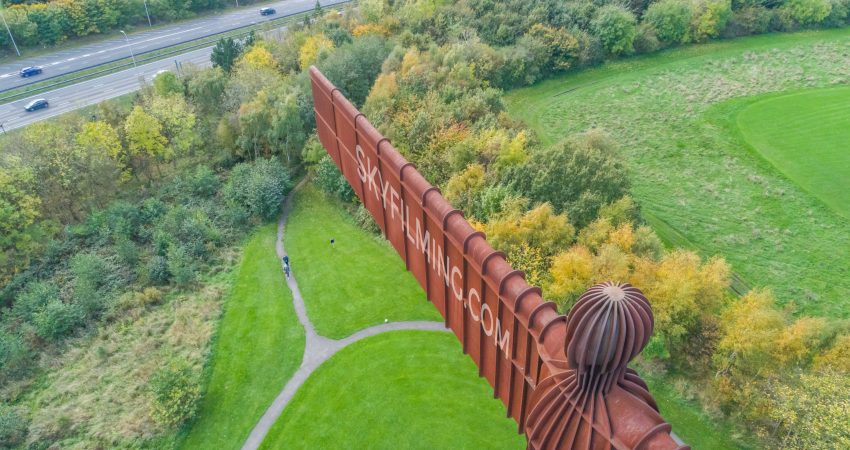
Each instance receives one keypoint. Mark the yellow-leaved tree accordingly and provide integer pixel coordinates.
(312, 48)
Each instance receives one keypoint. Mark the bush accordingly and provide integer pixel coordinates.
(807, 12)
(33, 299)
(175, 390)
(670, 19)
(838, 14)
(331, 180)
(709, 19)
(259, 187)
(180, 265)
(167, 83)
(157, 270)
(616, 27)
(749, 20)
(13, 428)
(646, 41)
(57, 319)
(15, 355)
(89, 271)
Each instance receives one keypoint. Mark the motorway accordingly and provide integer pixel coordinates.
(12, 115)
(116, 47)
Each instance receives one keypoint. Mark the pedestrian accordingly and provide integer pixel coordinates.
(332, 242)
(285, 260)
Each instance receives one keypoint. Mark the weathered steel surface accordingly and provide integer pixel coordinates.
(563, 379)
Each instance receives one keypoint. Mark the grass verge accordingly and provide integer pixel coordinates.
(692, 170)
(805, 135)
(359, 282)
(403, 389)
(259, 345)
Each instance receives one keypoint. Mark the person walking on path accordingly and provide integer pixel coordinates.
(286, 265)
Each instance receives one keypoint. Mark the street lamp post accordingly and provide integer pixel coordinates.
(131, 47)
(3, 16)
(147, 13)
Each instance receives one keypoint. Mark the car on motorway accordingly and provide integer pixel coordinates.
(30, 71)
(36, 104)
(267, 11)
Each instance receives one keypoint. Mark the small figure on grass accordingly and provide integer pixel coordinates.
(332, 242)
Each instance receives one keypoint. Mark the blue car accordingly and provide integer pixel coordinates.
(30, 71)
(36, 105)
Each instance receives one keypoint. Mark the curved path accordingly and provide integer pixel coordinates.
(318, 348)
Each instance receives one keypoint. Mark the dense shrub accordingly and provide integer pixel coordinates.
(616, 28)
(13, 428)
(807, 12)
(259, 187)
(90, 272)
(57, 319)
(353, 67)
(709, 18)
(15, 355)
(576, 177)
(330, 180)
(175, 391)
(671, 20)
(749, 20)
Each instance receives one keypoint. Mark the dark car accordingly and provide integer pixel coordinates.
(267, 11)
(30, 71)
(37, 104)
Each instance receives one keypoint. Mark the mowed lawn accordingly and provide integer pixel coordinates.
(359, 282)
(259, 346)
(399, 390)
(806, 135)
(774, 213)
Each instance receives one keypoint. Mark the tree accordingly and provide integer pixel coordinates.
(709, 18)
(812, 413)
(354, 67)
(167, 83)
(144, 137)
(463, 188)
(571, 274)
(616, 27)
(807, 12)
(225, 53)
(576, 177)
(258, 57)
(259, 187)
(671, 20)
(177, 119)
(287, 128)
(312, 49)
(540, 228)
(206, 89)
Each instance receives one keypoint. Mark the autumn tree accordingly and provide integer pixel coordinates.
(144, 139)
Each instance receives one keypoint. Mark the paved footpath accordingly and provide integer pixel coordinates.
(318, 348)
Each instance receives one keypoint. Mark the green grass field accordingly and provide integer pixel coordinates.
(259, 346)
(404, 389)
(699, 181)
(358, 283)
(806, 136)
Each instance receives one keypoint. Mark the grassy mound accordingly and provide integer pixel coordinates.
(698, 182)
(404, 389)
(359, 282)
(805, 135)
(259, 346)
